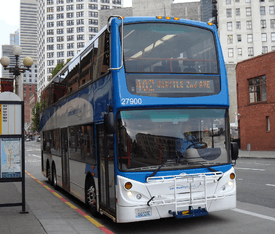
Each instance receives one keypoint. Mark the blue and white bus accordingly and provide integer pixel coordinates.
(136, 125)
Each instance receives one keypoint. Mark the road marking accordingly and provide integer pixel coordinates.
(254, 214)
(249, 169)
(33, 155)
(272, 185)
(93, 221)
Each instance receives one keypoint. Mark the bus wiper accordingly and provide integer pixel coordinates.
(204, 165)
(155, 171)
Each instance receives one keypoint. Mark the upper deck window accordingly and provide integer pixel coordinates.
(169, 48)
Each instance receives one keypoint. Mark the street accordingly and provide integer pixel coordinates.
(255, 212)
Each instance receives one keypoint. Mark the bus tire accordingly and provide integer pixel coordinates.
(54, 178)
(90, 193)
(48, 171)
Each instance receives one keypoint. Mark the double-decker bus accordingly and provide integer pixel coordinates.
(136, 125)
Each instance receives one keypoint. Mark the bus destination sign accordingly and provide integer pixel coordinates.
(160, 85)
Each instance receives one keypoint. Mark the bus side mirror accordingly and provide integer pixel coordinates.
(234, 150)
(109, 123)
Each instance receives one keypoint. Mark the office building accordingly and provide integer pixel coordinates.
(28, 43)
(246, 28)
(64, 28)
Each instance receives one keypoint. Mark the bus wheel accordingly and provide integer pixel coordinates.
(91, 197)
(54, 179)
(49, 173)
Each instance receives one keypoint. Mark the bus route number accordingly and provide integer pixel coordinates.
(131, 101)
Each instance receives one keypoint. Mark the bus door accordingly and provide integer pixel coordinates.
(65, 159)
(105, 154)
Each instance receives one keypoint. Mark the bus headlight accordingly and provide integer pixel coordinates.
(228, 186)
(130, 194)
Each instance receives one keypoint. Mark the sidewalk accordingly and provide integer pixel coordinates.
(46, 213)
(11, 221)
(257, 154)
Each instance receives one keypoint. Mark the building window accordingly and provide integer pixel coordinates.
(70, 22)
(267, 123)
(60, 31)
(248, 11)
(80, 37)
(257, 89)
(93, 14)
(80, 14)
(229, 13)
(228, 1)
(70, 15)
(80, 29)
(240, 51)
(239, 37)
(264, 49)
(70, 7)
(273, 36)
(272, 23)
(80, 6)
(271, 10)
(262, 10)
(70, 53)
(59, 39)
(238, 24)
(263, 23)
(264, 38)
(79, 21)
(249, 38)
(229, 39)
(249, 24)
(250, 51)
(60, 23)
(230, 53)
(238, 11)
(229, 26)
(70, 30)
(70, 38)
(60, 16)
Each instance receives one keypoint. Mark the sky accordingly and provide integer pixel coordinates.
(9, 19)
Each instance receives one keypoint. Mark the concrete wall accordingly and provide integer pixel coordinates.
(231, 76)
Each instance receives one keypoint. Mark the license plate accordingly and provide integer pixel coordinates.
(140, 213)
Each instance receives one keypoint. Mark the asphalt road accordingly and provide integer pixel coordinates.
(255, 212)
(256, 181)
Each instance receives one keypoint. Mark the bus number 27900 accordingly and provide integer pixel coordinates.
(131, 101)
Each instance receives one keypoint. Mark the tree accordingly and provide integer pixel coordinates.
(36, 111)
(58, 67)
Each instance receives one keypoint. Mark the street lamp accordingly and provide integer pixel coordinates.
(16, 70)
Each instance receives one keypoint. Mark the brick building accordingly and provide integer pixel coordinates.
(256, 102)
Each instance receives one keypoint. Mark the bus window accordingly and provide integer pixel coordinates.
(47, 142)
(101, 56)
(89, 143)
(169, 48)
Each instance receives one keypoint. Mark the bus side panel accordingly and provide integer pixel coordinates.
(77, 179)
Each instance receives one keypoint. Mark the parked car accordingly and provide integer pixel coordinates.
(38, 139)
(28, 139)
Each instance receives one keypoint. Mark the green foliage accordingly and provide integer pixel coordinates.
(58, 67)
(36, 111)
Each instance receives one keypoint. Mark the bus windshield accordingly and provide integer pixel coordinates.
(172, 138)
(169, 48)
